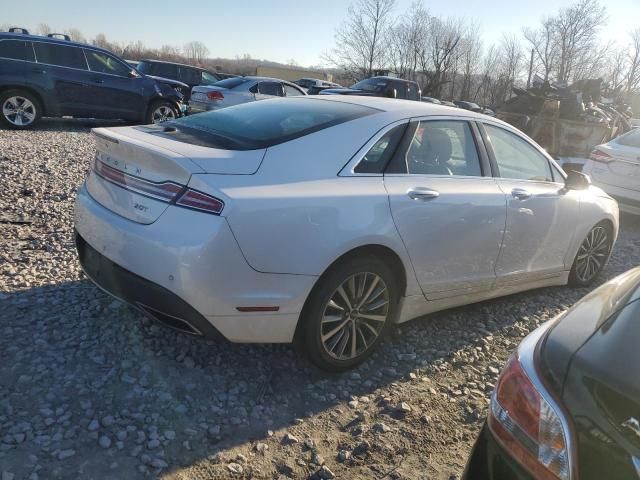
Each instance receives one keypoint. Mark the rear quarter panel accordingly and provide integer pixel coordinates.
(297, 216)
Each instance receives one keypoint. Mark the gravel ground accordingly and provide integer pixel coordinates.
(90, 389)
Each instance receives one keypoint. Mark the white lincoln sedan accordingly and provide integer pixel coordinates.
(324, 221)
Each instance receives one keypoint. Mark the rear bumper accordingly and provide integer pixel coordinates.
(194, 258)
(489, 461)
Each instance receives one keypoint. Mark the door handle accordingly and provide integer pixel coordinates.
(520, 193)
(423, 194)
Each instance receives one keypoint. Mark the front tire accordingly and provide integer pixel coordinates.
(592, 256)
(348, 313)
(19, 109)
(161, 111)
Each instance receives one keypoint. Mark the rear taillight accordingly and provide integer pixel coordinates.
(600, 156)
(200, 201)
(528, 423)
(215, 95)
(169, 192)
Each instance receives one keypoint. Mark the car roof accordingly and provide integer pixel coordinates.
(406, 107)
(386, 77)
(57, 41)
(174, 63)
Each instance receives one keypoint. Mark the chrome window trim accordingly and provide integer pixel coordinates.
(349, 169)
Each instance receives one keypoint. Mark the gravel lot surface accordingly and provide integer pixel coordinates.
(90, 389)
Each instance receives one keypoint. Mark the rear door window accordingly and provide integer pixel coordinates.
(60, 55)
(401, 90)
(166, 70)
(17, 50)
(190, 76)
(102, 63)
(270, 88)
(412, 92)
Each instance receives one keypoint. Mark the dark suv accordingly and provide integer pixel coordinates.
(380, 87)
(46, 76)
(188, 74)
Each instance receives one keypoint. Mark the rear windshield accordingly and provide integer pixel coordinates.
(232, 82)
(261, 124)
(631, 139)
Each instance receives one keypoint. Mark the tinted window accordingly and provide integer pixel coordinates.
(290, 91)
(412, 91)
(165, 70)
(60, 55)
(631, 139)
(17, 50)
(232, 82)
(378, 156)
(208, 79)
(443, 148)
(190, 76)
(516, 158)
(270, 88)
(144, 67)
(372, 85)
(263, 124)
(103, 63)
(401, 90)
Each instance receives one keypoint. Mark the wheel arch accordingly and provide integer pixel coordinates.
(383, 252)
(31, 90)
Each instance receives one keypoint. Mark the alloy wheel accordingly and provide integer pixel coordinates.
(19, 111)
(354, 316)
(162, 114)
(592, 254)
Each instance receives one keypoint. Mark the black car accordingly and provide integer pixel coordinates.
(567, 405)
(53, 77)
(380, 87)
(187, 74)
(474, 107)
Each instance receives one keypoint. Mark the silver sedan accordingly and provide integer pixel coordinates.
(236, 90)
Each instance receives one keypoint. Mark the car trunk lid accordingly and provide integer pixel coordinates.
(621, 168)
(138, 175)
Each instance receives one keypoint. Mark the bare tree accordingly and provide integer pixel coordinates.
(543, 42)
(76, 35)
(439, 53)
(196, 51)
(405, 41)
(633, 58)
(470, 58)
(359, 40)
(576, 32)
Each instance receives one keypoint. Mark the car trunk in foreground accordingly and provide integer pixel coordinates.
(137, 172)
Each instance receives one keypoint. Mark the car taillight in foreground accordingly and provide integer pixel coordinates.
(527, 421)
(168, 192)
(600, 156)
(215, 95)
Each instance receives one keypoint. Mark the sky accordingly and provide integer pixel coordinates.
(278, 30)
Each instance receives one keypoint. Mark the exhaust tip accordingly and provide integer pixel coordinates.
(169, 320)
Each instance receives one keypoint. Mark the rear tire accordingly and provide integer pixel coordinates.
(348, 313)
(161, 111)
(592, 257)
(19, 109)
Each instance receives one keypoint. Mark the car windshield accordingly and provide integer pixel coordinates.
(376, 85)
(263, 124)
(631, 139)
(232, 82)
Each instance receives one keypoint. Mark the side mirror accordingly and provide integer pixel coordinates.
(132, 74)
(577, 181)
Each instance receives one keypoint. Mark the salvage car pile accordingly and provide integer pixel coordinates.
(568, 121)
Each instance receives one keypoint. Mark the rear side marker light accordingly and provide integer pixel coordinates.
(168, 192)
(527, 426)
(600, 156)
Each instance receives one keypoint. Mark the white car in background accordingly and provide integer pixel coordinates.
(615, 167)
(237, 90)
(326, 220)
